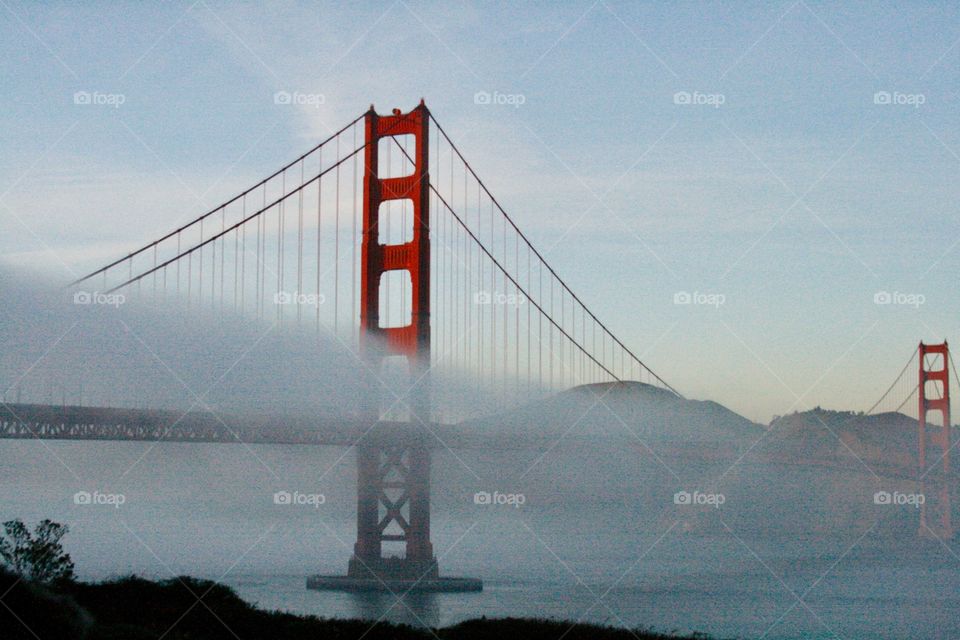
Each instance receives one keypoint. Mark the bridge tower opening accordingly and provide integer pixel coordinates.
(934, 441)
(393, 479)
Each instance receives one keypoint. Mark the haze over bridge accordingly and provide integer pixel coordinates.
(383, 239)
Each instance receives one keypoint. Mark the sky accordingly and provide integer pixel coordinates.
(797, 161)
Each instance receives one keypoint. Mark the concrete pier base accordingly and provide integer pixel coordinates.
(394, 575)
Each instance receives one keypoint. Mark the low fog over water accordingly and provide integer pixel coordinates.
(619, 504)
(121, 351)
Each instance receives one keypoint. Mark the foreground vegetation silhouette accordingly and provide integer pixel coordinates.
(42, 600)
(132, 608)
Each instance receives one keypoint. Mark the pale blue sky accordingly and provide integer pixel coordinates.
(798, 198)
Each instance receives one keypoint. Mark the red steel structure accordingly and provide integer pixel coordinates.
(393, 481)
(935, 511)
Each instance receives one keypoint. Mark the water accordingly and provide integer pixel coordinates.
(590, 543)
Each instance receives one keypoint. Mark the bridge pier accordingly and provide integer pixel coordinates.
(393, 470)
(398, 478)
(393, 505)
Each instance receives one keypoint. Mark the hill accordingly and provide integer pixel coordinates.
(886, 440)
(624, 410)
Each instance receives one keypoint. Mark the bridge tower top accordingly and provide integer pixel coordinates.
(412, 257)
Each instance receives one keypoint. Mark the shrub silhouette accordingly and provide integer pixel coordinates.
(38, 557)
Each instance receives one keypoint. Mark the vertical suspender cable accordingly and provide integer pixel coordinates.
(506, 309)
(516, 311)
(154, 273)
(243, 261)
(280, 226)
(237, 258)
(223, 252)
(540, 324)
(529, 329)
(493, 310)
(356, 241)
(319, 230)
(200, 275)
(189, 278)
(300, 243)
(336, 250)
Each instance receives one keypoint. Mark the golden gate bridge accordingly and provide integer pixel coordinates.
(384, 239)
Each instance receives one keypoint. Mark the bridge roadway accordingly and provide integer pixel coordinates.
(71, 422)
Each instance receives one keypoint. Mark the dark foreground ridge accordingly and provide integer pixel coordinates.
(136, 609)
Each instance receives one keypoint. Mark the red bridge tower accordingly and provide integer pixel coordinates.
(393, 481)
(934, 484)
